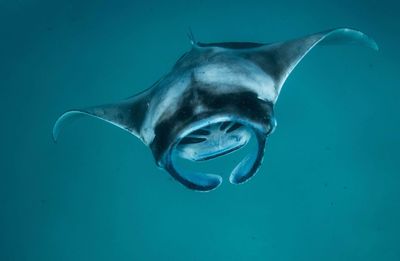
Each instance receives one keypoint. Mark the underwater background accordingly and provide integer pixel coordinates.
(328, 188)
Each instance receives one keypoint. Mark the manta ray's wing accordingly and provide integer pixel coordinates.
(279, 59)
(128, 114)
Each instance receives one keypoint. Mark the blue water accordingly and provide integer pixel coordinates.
(329, 185)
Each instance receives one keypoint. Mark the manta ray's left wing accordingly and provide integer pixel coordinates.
(279, 59)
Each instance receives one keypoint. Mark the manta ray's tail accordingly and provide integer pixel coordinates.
(191, 37)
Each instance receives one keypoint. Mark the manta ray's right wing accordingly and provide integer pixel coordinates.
(127, 115)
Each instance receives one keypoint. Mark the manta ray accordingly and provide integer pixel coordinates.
(215, 99)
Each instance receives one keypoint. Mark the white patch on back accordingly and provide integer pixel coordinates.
(241, 73)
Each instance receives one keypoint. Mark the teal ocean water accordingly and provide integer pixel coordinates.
(328, 188)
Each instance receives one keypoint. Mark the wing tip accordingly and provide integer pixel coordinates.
(374, 45)
(359, 37)
(61, 121)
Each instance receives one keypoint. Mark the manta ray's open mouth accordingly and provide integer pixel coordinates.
(213, 141)
(212, 138)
